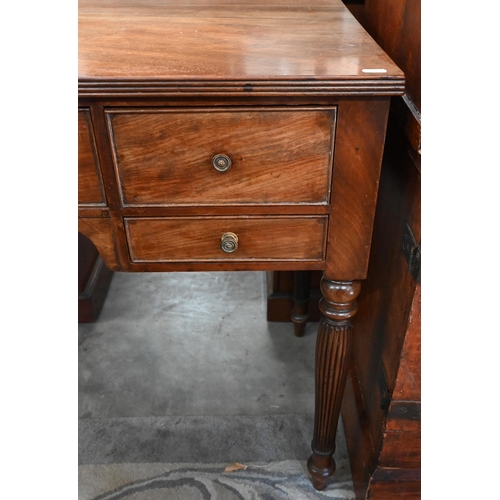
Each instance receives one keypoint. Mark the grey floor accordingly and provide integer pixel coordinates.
(192, 344)
(184, 367)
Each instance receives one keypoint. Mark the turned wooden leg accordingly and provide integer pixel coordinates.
(300, 311)
(333, 348)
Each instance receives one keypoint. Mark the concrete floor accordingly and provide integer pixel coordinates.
(183, 368)
(168, 344)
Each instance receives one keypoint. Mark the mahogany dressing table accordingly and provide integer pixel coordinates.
(237, 135)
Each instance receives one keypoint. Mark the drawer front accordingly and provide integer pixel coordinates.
(186, 239)
(90, 189)
(165, 157)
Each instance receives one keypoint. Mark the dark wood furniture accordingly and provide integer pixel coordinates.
(227, 135)
(384, 442)
(94, 279)
(381, 406)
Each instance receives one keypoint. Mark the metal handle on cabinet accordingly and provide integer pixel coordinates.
(229, 242)
(221, 162)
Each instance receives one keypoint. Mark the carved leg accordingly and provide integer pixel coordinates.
(333, 348)
(300, 312)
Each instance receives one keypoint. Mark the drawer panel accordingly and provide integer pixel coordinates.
(279, 156)
(185, 239)
(90, 189)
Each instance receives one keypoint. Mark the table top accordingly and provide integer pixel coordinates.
(290, 43)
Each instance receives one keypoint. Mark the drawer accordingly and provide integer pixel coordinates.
(278, 156)
(90, 190)
(182, 239)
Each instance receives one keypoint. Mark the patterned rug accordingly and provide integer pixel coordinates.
(142, 481)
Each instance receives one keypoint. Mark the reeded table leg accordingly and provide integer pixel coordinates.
(333, 348)
(300, 312)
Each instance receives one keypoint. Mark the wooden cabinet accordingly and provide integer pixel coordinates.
(382, 403)
(238, 136)
(165, 157)
(93, 276)
(381, 406)
(184, 239)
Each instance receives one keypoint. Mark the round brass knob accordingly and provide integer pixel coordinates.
(221, 162)
(229, 242)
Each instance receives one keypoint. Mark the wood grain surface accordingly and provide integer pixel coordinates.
(388, 483)
(408, 380)
(164, 157)
(378, 361)
(401, 449)
(100, 232)
(359, 146)
(244, 43)
(395, 24)
(90, 191)
(184, 239)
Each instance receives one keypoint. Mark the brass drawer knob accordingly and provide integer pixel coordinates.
(229, 242)
(221, 162)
